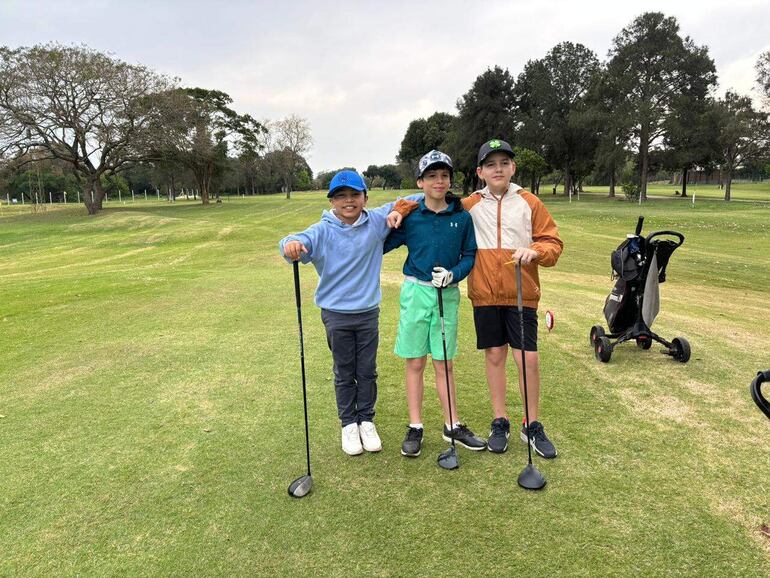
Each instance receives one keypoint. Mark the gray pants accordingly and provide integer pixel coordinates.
(353, 339)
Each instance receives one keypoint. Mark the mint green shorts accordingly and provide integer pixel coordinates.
(419, 326)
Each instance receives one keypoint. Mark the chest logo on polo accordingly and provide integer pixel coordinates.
(453, 224)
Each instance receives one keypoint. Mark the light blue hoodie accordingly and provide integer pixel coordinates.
(348, 258)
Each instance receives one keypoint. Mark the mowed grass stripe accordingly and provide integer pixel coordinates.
(153, 408)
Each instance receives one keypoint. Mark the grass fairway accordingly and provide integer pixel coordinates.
(151, 409)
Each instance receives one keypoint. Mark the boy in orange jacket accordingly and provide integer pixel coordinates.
(510, 223)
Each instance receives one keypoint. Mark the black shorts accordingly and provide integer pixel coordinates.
(499, 325)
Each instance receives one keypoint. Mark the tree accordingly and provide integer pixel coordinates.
(650, 67)
(744, 134)
(423, 135)
(689, 136)
(72, 103)
(199, 127)
(486, 111)
(292, 140)
(324, 178)
(530, 164)
(554, 109)
(389, 175)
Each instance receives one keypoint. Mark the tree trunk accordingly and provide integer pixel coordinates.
(684, 182)
(612, 182)
(93, 195)
(567, 182)
(644, 146)
(728, 182)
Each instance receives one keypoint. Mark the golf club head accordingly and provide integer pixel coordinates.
(448, 459)
(301, 487)
(531, 479)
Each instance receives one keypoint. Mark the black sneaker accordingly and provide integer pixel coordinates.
(464, 437)
(540, 442)
(412, 442)
(498, 437)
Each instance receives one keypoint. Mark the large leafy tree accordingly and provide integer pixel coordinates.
(651, 68)
(424, 135)
(689, 136)
(200, 129)
(486, 111)
(84, 108)
(744, 134)
(554, 106)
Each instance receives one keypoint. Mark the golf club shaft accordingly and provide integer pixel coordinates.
(520, 302)
(446, 362)
(302, 360)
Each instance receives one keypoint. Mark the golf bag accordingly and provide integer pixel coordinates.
(756, 393)
(638, 267)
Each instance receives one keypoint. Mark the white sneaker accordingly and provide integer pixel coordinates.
(369, 437)
(351, 442)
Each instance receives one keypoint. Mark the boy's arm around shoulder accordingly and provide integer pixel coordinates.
(310, 239)
(545, 233)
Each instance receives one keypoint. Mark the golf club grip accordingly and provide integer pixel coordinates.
(295, 265)
(639, 224)
(440, 302)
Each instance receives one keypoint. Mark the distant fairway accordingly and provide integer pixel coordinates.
(152, 412)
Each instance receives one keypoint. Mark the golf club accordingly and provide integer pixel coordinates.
(448, 458)
(301, 487)
(529, 478)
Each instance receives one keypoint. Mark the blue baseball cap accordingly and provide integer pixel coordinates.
(346, 179)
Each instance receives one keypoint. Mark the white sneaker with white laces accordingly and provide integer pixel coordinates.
(369, 438)
(351, 441)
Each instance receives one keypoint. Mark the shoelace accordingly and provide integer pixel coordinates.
(413, 434)
(461, 431)
(537, 433)
(498, 427)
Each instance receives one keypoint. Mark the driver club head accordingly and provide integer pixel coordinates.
(301, 487)
(531, 479)
(448, 459)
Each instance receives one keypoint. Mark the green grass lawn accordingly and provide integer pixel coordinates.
(738, 191)
(151, 408)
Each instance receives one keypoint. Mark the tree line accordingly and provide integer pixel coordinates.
(648, 108)
(80, 119)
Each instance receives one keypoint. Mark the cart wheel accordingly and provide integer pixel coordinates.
(603, 349)
(643, 343)
(680, 349)
(597, 331)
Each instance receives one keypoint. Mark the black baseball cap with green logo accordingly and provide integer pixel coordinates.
(494, 146)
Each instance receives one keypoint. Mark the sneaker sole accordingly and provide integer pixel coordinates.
(459, 443)
(354, 453)
(373, 450)
(403, 453)
(537, 451)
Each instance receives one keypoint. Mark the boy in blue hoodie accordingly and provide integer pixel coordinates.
(346, 248)
(440, 238)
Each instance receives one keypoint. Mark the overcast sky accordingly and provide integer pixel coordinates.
(361, 71)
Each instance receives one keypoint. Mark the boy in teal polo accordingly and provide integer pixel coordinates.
(442, 248)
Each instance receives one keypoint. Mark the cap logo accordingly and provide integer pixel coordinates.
(494, 144)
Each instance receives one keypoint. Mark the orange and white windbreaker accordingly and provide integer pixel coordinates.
(516, 219)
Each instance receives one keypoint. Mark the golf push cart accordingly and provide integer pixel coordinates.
(639, 265)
